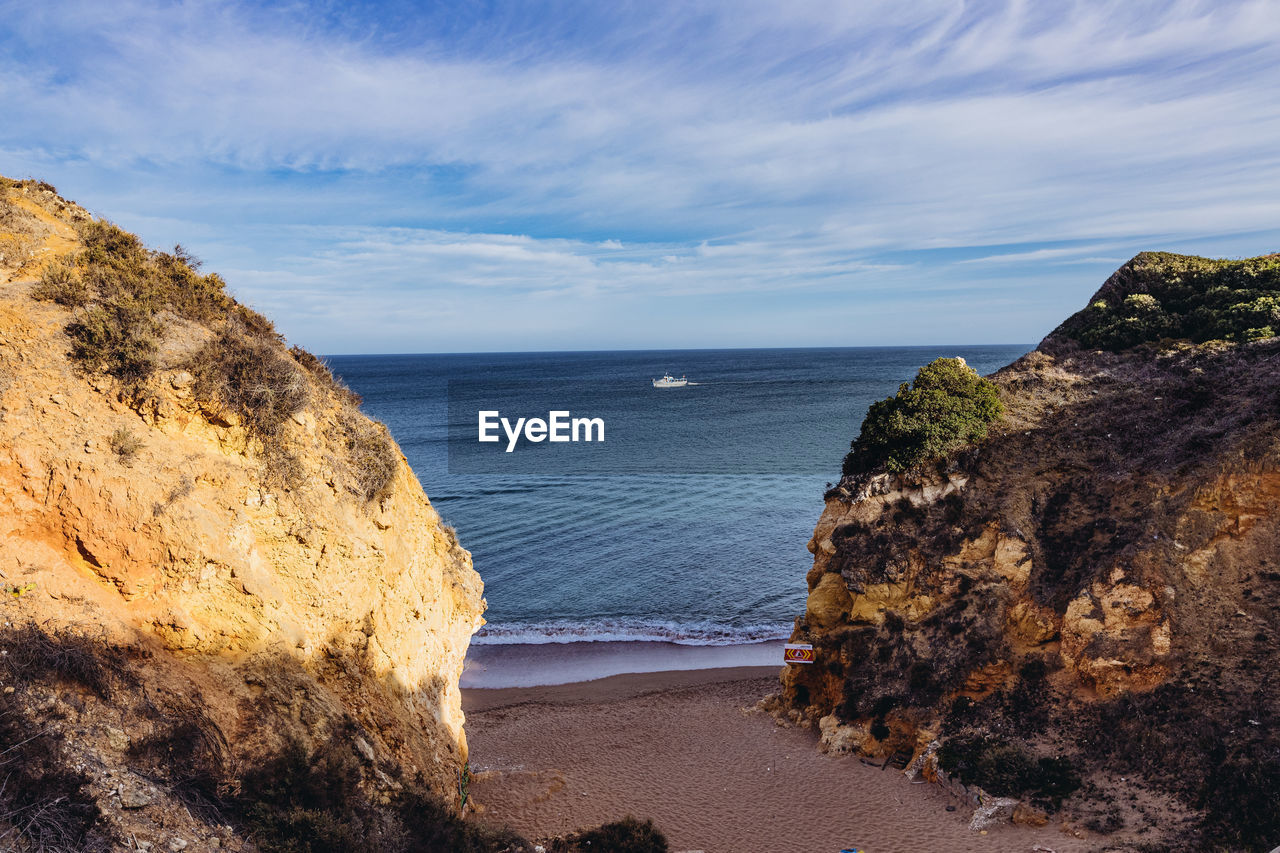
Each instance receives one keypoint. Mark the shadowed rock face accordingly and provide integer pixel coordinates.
(1109, 551)
(294, 610)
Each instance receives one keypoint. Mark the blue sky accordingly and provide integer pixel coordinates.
(478, 176)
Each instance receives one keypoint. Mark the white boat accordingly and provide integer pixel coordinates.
(669, 381)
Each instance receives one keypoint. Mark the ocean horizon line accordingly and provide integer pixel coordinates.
(638, 350)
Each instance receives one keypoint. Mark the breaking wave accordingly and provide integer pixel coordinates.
(629, 631)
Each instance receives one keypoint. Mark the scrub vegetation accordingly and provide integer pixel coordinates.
(125, 444)
(948, 406)
(1159, 296)
(130, 305)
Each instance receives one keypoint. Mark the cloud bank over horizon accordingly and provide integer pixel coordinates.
(384, 177)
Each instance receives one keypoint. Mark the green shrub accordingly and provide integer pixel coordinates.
(61, 283)
(1158, 296)
(949, 405)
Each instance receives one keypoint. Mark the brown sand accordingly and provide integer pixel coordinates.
(684, 749)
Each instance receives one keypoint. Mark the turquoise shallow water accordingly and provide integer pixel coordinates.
(687, 526)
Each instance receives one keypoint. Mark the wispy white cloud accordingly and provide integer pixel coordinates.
(667, 152)
(1072, 254)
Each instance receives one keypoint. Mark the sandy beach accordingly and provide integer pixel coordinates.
(685, 749)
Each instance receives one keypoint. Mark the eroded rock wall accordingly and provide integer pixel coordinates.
(1115, 536)
(284, 608)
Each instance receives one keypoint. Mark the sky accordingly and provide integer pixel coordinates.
(477, 176)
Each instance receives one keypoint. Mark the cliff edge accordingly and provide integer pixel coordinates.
(224, 588)
(1075, 618)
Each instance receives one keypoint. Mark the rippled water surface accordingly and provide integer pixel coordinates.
(641, 553)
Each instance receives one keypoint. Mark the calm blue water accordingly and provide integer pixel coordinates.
(687, 525)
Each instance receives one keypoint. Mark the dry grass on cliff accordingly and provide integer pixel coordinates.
(253, 377)
(22, 229)
(187, 749)
(370, 456)
(130, 304)
(121, 292)
(266, 386)
(17, 250)
(61, 283)
(125, 443)
(41, 195)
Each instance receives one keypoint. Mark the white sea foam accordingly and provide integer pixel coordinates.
(629, 631)
(535, 664)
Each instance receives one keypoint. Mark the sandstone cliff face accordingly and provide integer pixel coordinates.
(1098, 581)
(280, 608)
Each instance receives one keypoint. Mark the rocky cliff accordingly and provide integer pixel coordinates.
(217, 572)
(1080, 612)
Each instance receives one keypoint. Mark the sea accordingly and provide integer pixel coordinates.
(676, 542)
